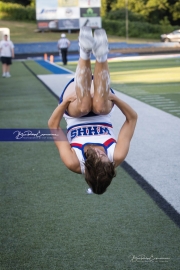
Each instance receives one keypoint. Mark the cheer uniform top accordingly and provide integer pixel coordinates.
(89, 129)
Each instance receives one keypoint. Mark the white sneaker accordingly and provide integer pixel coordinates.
(86, 40)
(101, 43)
(4, 75)
(8, 75)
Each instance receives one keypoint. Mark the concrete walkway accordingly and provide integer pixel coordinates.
(155, 147)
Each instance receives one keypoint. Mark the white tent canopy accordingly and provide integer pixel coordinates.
(4, 31)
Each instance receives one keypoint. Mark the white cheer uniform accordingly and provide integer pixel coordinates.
(90, 129)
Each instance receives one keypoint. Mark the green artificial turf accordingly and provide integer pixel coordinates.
(47, 219)
(26, 32)
(36, 68)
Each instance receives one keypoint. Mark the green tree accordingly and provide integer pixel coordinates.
(133, 5)
(175, 11)
(21, 2)
(120, 14)
(156, 10)
(103, 8)
(33, 3)
(106, 6)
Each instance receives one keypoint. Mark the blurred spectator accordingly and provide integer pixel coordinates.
(63, 45)
(7, 53)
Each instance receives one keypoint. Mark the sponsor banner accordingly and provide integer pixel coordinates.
(31, 135)
(89, 3)
(68, 24)
(91, 22)
(68, 3)
(50, 24)
(68, 13)
(46, 3)
(46, 13)
(90, 12)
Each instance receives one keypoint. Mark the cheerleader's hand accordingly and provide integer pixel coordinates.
(112, 96)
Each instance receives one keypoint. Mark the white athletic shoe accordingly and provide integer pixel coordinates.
(86, 40)
(101, 43)
(8, 75)
(4, 75)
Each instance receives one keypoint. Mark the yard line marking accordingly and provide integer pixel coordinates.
(168, 106)
(174, 110)
(159, 102)
(161, 85)
(152, 96)
(158, 99)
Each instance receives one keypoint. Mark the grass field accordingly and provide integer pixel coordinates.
(24, 32)
(156, 82)
(47, 219)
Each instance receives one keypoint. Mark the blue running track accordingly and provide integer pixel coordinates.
(54, 69)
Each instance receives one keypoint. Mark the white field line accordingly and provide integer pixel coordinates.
(174, 110)
(154, 99)
(162, 102)
(168, 106)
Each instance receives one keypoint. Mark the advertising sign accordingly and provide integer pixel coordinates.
(46, 13)
(89, 3)
(68, 3)
(48, 24)
(91, 22)
(67, 14)
(46, 3)
(90, 12)
(68, 24)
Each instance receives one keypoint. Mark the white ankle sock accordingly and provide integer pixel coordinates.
(85, 54)
(101, 58)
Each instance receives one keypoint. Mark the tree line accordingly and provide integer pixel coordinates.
(152, 11)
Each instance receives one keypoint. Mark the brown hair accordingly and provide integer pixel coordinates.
(98, 173)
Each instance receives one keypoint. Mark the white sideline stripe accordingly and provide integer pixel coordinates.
(154, 151)
(56, 82)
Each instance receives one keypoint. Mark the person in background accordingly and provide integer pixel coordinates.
(63, 45)
(7, 53)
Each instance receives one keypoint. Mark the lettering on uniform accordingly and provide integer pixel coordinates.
(81, 132)
(89, 131)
